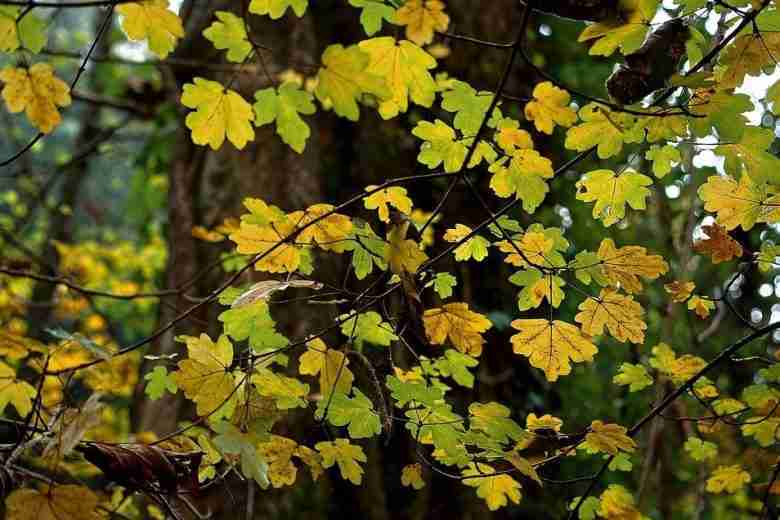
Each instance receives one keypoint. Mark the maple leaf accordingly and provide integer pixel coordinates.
(635, 376)
(727, 478)
(545, 422)
(616, 502)
(231, 440)
(276, 8)
(344, 78)
(538, 286)
(550, 106)
(701, 306)
(372, 13)
(767, 257)
(277, 453)
(411, 476)
(699, 449)
(524, 178)
(152, 21)
(229, 33)
(509, 136)
(368, 250)
(357, 413)
(16, 392)
(718, 245)
(623, 266)
(721, 110)
(28, 33)
(462, 326)
(288, 392)
(750, 155)
(495, 489)
(604, 129)
(551, 345)
(469, 106)
(394, 196)
(219, 112)
(159, 382)
(608, 438)
(405, 68)
(205, 377)
(627, 32)
(663, 157)
(37, 92)
(587, 268)
(475, 247)
(494, 420)
(278, 256)
(404, 256)
(748, 54)
(346, 455)
(330, 231)
(367, 327)
(612, 192)
(740, 204)
(538, 247)
(330, 364)
(763, 429)
(443, 283)
(53, 503)
(253, 322)
(440, 146)
(422, 18)
(284, 105)
(618, 313)
(680, 291)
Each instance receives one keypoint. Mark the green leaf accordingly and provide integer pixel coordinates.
(724, 111)
(700, 450)
(443, 284)
(589, 508)
(229, 33)
(621, 462)
(635, 376)
(231, 440)
(159, 382)
(662, 157)
(612, 193)
(537, 287)
(372, 14)
(469, 106)
(771, 374)
(751, 154)
(276, 8)
(357, 413)
(288, 392)
(413, 392)
(524, 177)
(253, 322)
(367, 327)
(30, 33)
(493, 419)
(284, 107)
(456, 365)
(587, 268)
(368, 250)
(440, 146)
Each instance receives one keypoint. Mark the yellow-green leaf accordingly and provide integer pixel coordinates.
(219, 112)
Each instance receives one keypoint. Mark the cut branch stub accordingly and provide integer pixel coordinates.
(649, 68)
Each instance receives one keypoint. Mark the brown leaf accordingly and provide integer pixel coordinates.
(720, 247)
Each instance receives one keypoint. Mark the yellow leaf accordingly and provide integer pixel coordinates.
(346, 455)
(405, 67)
(602, 128)
(524, 177)
(16, 392)
(330, 364)
(422, 18)
(411, 475)
(741, 204)
(344, 78)
(626, 32)
(278, 453)
(550, 106)
(152, 21)
(287, 392)
(475, 247)
(718, 245)
(510, 138)
(613, 192)
(748, 54)
(616, 503)
(495, 490)
(619, 313)
(205, 377)
(608, 438)
(623, 266)
(700, 306)
(393, 196)
(252, 239)
(329, 232)
(403, 255)
(276, 8)
(552, 345)
(534, 247)
(727, 478)
(219, 112)
(545, 422)
(680, 291)
(52, 503)
(462, 326)
(37, 92)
